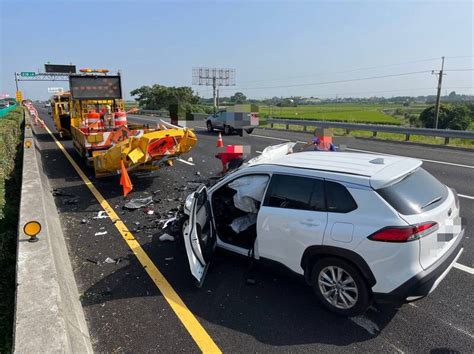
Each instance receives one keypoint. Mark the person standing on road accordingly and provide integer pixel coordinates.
(318, 144)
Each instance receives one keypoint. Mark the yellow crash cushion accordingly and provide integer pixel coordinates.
(95, 138)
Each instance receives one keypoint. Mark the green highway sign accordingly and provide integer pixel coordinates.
(27, 74)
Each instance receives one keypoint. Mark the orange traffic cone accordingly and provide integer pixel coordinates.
(220, 142)
(125, 180)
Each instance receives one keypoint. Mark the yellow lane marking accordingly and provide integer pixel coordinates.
(187, 318)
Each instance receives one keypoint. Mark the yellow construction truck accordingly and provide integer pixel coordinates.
(104, 138)
(59, 108)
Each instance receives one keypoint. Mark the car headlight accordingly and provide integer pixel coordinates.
(188, 203)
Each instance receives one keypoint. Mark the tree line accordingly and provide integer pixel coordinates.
(456, 115)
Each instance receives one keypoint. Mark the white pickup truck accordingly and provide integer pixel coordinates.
(230, 122)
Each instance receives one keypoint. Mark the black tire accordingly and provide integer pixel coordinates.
(241, 132)
(227, 130)
(363, 293)
(209, 126)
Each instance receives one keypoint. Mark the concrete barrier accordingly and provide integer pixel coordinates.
(48, 314)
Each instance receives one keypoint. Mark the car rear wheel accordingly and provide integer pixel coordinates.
(209, 126)
(340, 287)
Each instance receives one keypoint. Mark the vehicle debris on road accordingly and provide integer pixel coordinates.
(100, 233)
(101, 215)
(166, 237)
(138, 203)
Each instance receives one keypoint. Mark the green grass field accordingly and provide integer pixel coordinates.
(10, 185)
(358, 113)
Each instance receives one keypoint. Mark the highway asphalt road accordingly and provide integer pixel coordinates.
(126, 311)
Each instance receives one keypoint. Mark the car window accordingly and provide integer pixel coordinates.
(295, 192)
(338, 198)
(416, 193)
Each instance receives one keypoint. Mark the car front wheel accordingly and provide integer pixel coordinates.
(227, 130)
(340, 287)
(209, 126)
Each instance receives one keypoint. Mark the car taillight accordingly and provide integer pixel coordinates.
(404, 233)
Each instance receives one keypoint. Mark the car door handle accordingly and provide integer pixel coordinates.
(310, 223)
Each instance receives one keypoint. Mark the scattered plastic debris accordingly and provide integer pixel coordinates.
(138, 203)
(96, 262)
(166, 222)
(169, 258)
(150, 212)
(190, 159)
(100, 233)
(166, 237)
(83, 221)
(101, 215)
(70, 201)
(109, 260)
(251, 281)
(60, 193)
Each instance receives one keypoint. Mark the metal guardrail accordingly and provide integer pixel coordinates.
(163, 114)
(375, 128)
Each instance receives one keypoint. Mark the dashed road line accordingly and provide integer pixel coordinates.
(376, 152)
(187, 318)
(464, 268)
(426, 160)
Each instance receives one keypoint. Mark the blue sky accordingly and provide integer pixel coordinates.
(277, 48)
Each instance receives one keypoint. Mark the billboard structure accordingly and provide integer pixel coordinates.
(89, 87)
(59, 68)
(214, 77)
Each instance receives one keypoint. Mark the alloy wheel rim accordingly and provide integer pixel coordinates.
(338, 287)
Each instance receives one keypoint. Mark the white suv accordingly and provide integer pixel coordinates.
(358, 227)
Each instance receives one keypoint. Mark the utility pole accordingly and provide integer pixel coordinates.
(217, 100)
(438, 97)
(214, 87)
(16, 81)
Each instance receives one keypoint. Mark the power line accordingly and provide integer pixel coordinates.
(336, 81)
(459, 70)
(345, 71)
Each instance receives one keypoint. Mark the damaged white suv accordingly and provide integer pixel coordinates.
(358, 227)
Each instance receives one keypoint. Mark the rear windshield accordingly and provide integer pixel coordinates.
(416, 193)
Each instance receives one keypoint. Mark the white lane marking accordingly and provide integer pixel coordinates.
(186, 162)
(427, 160)
(380, 153)
(466, 196)
(366, 324)
(464, 268)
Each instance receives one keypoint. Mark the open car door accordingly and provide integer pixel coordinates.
(200, 235)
